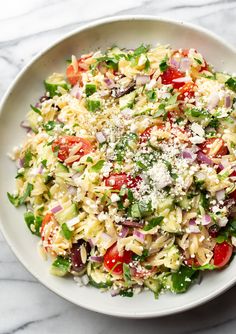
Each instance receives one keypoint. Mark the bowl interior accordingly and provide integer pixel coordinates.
(124, 32)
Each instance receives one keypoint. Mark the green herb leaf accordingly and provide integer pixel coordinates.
(35, 110)
(27, 159)
(153, 223)
(142, 257)
(207, 266)
(66, 232)
(151, 95)
(93, 105)
(90, 89)
(14, 199)
(214, 123)
(62, 264)
(126, 272)
(126, 293)
(182, 279)
(33, 223)
(231, 83)
(198, 61)
(44, 163)
(141, 209)
(98, 166)
(89, 159)
(141, 49)
(163, 64)
(26, 194)
(49, 126)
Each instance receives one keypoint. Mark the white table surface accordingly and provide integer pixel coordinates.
(27, 27)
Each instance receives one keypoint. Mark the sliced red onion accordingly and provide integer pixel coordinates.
(221, 167)
(41, 168)
(194, 229)
(142, 79)
(182, 79)
(75, 176)
(56, 209)
(115, 292)
(175, 63)
(213, 101)
(203, 158)
(25, 126)
(98, 259)
(90, 241)
(109, 82)
(192, 222)
(72, 190)
(184, 64)
(20, 163)
(220, 195)
(139, 235)
(187, 154)
(227, 101)
(206, 219)
(124, 232)
(76, 91)
(100, 137)
(132, 223)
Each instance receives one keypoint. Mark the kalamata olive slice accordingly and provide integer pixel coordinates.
(117, 92)
(76, 258)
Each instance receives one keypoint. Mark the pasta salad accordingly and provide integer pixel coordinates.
(128, 169)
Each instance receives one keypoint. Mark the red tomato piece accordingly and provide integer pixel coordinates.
(75, 76)
(63, 146)
(117, 180)
(191, 262)
(145, 135)
(206, 147)
(186, 91)
(113, 261)
(171, 74)
(222, 254)
(45, 221)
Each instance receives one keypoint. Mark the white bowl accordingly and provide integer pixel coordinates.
(126, 32)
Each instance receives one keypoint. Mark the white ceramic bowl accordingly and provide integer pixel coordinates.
(126, 32)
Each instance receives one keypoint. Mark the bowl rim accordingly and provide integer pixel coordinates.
(84, 27)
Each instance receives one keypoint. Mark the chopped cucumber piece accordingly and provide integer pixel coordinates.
(60, 266)
(64, 215)
(60, 168)
(101, 285)
(154, 284)
(222, 77)
(127, 101)
(53, 82)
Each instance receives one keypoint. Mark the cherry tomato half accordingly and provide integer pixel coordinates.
(145, 135)
(206, 147)
(186, 91)
(75, 76)
(222, 254)
(169, 75)
(117, 180)
(114, 262)
(63, 146)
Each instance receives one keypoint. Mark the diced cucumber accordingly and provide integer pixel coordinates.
(60, 266)
(60, 168)
(53, 82)
(166, 203)
(185, 203)
(127, 101)
(222, 77)
(101, 285)
(172, 258)
(153, 284)
(67, 214)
